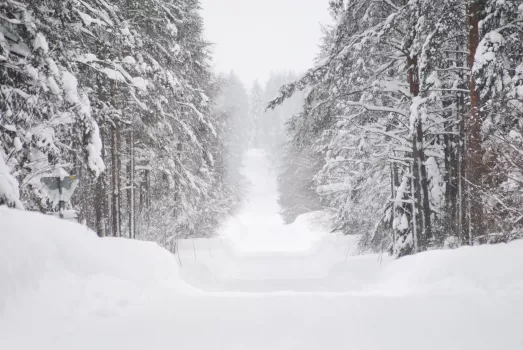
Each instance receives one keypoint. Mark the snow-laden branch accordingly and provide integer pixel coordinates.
(376, 108)
(200, 116)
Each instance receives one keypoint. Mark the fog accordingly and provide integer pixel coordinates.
(255, 38)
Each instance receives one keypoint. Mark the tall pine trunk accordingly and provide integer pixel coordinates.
(450, 179)
(451, 152)
(421, 206)
(424, 185)
(463, 224)
(115, 203)
(474, 150)
(100, 195)
(130, 176)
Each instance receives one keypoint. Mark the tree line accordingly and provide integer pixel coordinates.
(413, 114)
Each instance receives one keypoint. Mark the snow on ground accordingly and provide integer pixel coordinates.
(63, 288)
(258, 226)
(53, 271)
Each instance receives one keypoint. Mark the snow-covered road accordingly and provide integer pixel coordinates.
(261, 285)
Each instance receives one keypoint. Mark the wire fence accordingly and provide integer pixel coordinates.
(337, 247)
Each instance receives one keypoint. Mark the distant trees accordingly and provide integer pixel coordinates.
(410, 106)
(257, 105)
(271, 124)
(295, 166)
(233, 103)
(236, 125)
(121, 94)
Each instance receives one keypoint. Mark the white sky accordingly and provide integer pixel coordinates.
(255, 37)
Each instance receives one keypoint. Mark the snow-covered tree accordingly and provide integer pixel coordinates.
(118, 93)
(405, 106)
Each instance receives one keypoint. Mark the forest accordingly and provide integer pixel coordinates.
(276, 174)
(120, 94)
(408, 126)
(413, 112)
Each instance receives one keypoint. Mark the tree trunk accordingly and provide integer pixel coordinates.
(177, 195)
(119, 179)
(99, 206)
(419, 173)
(424, 184)
(416, 200)
(462, 176)
(393, 186)
(450, 179)
(130, 169)
(414, 215)
(474, 150)
(451, 149)
(115, 203)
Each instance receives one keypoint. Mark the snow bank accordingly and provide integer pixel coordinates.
(64, 288)
(332, 266)
(488, 269)
(42, 256)
(61, 287)
(482, 269)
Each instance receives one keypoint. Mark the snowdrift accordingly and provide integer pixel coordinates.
(332, 266)
(492, 269)
(61, 287)
(41, 255)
